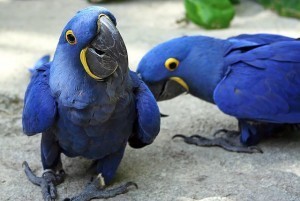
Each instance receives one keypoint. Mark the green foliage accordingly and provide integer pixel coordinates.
(211, 14)
(235, 1)
(289, 8)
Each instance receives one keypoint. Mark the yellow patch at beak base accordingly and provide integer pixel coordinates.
(181, 82)
(86, 66)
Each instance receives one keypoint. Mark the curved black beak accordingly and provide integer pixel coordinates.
(166, 90)
(106, 52)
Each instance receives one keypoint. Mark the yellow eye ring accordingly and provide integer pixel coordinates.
(70, 37)
(171, 64)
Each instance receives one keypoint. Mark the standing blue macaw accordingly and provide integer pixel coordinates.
(86, 102)
(255, 78)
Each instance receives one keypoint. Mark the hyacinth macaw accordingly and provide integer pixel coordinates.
(254, 78)
(86, 102)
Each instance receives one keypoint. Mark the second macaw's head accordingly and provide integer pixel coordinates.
(90, 50)
(161, 70)
(181, 65)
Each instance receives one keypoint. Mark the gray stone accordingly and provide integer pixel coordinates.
(168, 169)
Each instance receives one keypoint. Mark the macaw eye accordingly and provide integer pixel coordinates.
(70, 37)
(171, 64)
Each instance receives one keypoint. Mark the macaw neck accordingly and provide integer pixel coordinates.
(207, 70)
(205, 86)
(73, 87)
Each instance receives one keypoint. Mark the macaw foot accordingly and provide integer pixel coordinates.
(229, 142)
(294, 127)
(233, 135)
(95, 189)
(47, 182)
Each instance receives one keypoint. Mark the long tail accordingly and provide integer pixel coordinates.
(43, 60)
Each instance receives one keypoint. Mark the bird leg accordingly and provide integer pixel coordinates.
(228, 141)
(95, 189)
(47, 182)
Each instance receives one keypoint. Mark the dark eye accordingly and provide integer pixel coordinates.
(171, 64)
(70, 37)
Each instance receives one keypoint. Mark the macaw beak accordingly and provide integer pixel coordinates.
(169, 89)
(106, 52)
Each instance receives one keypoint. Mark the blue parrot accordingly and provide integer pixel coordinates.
(43, 60)
(86, 102)
(254, 78)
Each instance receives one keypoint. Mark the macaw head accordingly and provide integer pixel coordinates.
(160, 69)
(177, 66)
(92, 41)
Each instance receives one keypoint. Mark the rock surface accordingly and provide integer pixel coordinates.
(169, 169)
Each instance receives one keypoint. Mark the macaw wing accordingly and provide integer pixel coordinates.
(147, 124)
(261, 39)
(39, 106)
(246, 42)
(263, 84)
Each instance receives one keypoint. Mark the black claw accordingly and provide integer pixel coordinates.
(179, 136)
(194, 139)
(24, 164)
(30, 175)
(241, 149)
(163, 115)
(123, 188)
(129, 184)
(256, 149)
(219, 132)
(198, 137)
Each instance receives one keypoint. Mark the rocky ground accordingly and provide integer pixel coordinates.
(168, 169)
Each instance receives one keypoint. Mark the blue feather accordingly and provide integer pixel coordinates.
(147, 125)
(81, 116)
(270, 94)
(43, 60)
(261, 39)
(39, 106)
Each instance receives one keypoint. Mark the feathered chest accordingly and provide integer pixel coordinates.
(97, 128)
(97, 113)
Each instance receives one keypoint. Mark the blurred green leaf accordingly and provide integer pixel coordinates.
(289, 8)
(211, 14)
(235, 1)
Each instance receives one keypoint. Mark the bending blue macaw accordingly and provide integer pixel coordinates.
(254, 78)
(87, 103)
